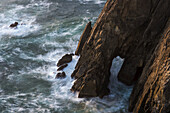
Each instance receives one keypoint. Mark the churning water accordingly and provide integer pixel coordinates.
(28, 56)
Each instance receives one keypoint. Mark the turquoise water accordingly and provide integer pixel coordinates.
(29, 53)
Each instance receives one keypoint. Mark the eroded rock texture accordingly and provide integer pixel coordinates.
(126, 28)
(131, 29)
(83, 38)
(65, 59)
(151, 94)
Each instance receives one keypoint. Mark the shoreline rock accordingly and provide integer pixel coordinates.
(131, 30)
(62, 67)
(60, 75)
(65, 59)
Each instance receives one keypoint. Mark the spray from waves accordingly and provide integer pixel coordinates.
(11, 16)
(117, 100)
(43, 92)
(19, 13)
(1, 59)
(37, 102)
(30, 85)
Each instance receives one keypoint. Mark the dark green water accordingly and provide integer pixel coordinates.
(28, 56)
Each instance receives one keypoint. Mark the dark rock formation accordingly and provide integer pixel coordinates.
(62, 67)
(65, 59)
(151, 94)
(128, 29)
(132, 30)
(83, 38)
(60, 75)
(14, 25)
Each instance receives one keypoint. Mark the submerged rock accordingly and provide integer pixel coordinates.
(14, 25)
(65, 59)
(60, 75)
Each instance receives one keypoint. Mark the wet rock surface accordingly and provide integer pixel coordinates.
(65, 59)
(13, 25)
(132, 30)
(62, 63)
(62, 67)
(60, 75)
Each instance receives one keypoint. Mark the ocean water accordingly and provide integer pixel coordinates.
(29, 53)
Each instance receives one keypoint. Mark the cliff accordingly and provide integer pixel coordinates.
(138, 31)
(151, 93)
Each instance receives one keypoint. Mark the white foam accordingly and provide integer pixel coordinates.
(61, 87)
(60, 90)
(14, 14)
(95, 1)
(1, 58)
(33, 104)
(67, 31)
(39, 4)
(116, 65)
(117, 100)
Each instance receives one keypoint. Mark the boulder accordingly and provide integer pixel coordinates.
(65, 59)
(60, 75)
(62, 67)
(14, 25)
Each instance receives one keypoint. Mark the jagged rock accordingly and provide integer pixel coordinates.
(73, 74)
(62, 67)
(126, 28)
(14, 25)
(83, 38)
(65, 59)
(60, 75)
(151, 94)
(88, 92)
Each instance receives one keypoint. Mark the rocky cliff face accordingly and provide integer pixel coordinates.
(151, 94)
(131, 29)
